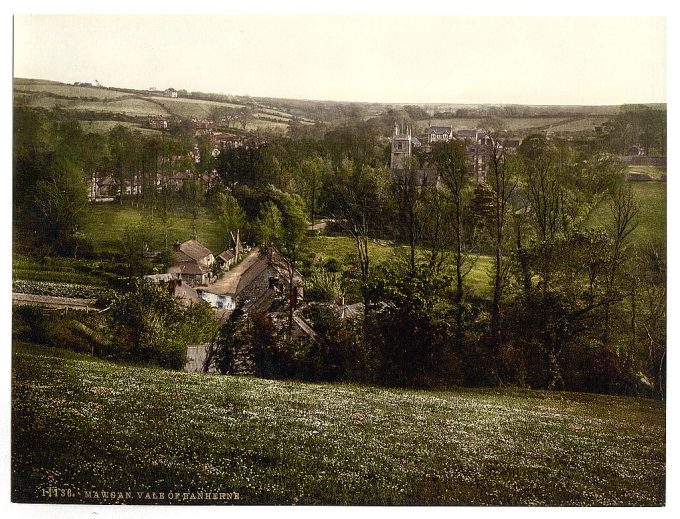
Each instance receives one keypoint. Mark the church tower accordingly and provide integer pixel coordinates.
(401, 147)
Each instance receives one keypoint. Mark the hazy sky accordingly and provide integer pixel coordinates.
(555, 60)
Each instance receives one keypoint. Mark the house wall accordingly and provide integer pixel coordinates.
(225, 302)
(258, 286)
(195, 358)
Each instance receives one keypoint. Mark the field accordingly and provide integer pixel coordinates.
(524, 125)
(50, 95)
(66, 90)
(651, 198)
(105, 224)
(188, 108)
(343, 249)
(56, 270)
(105, 126)
(110, 427)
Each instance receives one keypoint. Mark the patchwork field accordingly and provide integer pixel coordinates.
(90, 426)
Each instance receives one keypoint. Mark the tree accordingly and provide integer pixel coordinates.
(132, 248)
(146, 322)
(450, 161)
(625, 212)
(408, 192)
(502, 179)
(356, 202)
(292, 243)
(269, 225)
(61, 200)
(411, 329)
(230, 216)
(311, 175)
(244, 116)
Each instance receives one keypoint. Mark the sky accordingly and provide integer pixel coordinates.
(371, 58)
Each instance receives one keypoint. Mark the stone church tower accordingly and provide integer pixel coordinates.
(401, 147)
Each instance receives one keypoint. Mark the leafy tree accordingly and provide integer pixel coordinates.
(356, 200)
(310, 179)
(145, 323)
(230, 216)
(411, 329)
(269, 225)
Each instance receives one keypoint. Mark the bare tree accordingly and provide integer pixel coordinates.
(503, 183)
(450, 160)
(625, 212)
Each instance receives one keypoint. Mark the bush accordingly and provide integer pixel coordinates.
(74, 330)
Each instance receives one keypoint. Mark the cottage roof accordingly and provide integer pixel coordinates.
(226, 255)
(187, 295)
(440, 130)
(467, 134)
(194, 250)
(188, 267)
(238, 278)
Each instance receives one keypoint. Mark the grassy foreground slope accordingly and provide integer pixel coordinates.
(91, 426)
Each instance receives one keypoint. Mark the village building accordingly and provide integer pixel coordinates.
(157, 122)
(439, 134)
(257, 280)
(193, 262)
(171, 92)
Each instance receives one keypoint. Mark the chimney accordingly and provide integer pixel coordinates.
(176, 246)
(341, 300)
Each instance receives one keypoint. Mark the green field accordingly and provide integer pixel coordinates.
(343, 248)
(67, 90)
(105, 126)
(91, 425)
(56, 270)
(651, 199)
(188, 108)
(105, 224)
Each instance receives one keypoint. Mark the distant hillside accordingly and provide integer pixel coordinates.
(96, 106)
(102, 107)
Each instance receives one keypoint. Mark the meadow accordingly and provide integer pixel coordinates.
(90, 425)
(343, 249)
(651, 199)
(105, 224)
